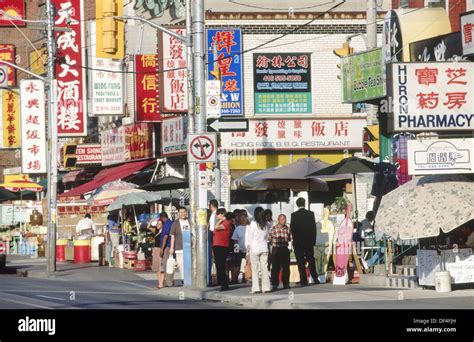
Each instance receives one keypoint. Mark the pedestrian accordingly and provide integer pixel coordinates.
(238, 240)
(156, 252)
(177, 228)
(113, 236)
(268, 215)
(230, 250)
(213, 205)
(85, 226)
(278, 238)
(303, 232)
(220, 246)
(257, 246)
(164, 243)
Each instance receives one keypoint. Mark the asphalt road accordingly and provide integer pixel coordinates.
(29, 293)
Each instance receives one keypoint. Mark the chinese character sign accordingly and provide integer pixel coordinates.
(70, 72)
(107, 91)
(224, 63)
(467, 26)
(173, 78)
(33, 126)
(282, 83)
(433, 96)
(11, 118)
(113, 146)
(309, 134)
(173, 136)
(147, 104)
(138, 141)
(7, 53)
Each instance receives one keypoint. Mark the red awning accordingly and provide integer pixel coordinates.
(108, 175)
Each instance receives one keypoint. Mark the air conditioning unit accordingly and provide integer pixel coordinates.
(127, 121)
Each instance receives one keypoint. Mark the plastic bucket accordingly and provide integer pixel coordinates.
(61, 250)
(443, 281)
(82, 251)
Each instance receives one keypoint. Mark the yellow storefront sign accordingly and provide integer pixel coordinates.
(11, 118)
(38, 60)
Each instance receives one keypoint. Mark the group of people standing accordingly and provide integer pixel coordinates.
(264, 243)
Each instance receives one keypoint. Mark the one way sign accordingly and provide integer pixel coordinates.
(227, 125)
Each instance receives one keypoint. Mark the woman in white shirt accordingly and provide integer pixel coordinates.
(257, 245)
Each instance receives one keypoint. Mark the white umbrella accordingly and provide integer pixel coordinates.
(423, 206)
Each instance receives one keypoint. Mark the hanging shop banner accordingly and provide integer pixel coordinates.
(89, 154)
(282, 83)
(113, 146)
(71, 71)
(127, 143)
(7, 53)
(38, 61)
(174, 81)
(14, 8)
(301, 134)
(362, 77)
(11, 118)
(224, 63)
(441, 156)
(33, 126)
(174, 133)
(467, 27)
(432, 96)
(447, 47)
(107, 87)
(147, 104)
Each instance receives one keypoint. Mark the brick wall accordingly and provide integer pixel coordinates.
(456, 7)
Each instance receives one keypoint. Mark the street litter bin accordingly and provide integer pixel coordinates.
(82, 251)
(61, 250)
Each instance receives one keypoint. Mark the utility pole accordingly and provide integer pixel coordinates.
(52, 167)
(200, 127)
(371, 43)
(191, 166)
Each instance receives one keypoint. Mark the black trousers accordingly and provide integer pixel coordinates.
(280, 260)
(303, 254)
(220, 255)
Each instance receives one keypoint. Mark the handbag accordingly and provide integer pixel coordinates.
(170, 264)
(248, 269)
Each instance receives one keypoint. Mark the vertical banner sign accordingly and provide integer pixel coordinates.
(138, 141)
(173, 79)
(467, 28)
(147, 104)
(173, 136)
(224, 63)
(71, 72)
(107, 88)
(14, 8)
(7, 53)
(33, 126)
(11, 118)
(282, 83)
(113, 146)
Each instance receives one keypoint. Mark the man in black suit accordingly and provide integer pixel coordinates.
(303, 231)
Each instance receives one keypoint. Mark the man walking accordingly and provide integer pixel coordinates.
(303, 231)
(182, 223)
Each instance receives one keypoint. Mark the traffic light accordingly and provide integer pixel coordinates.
(69, 155)
(110, 31)
(345, 50)
(371, 141)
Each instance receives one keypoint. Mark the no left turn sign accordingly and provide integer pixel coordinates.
(202, 148)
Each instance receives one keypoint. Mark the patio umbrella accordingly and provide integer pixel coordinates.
(134, 198)
(424, 205)
(107, 193)
(293, 176)
(6, 195)
(167, 183)
(251, 180)
(21, 185)
(352, 165)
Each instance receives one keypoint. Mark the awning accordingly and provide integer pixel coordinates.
(108, 175)
(78, 175)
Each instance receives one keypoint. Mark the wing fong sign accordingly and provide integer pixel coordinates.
(202, 148)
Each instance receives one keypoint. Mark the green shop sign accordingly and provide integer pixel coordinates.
(362, 77)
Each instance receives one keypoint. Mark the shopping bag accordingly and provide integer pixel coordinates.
(248, 269)
(170, 265)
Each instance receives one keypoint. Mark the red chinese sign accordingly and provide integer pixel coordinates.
(13, 8)
(139, 141)
(70, 72)
(174, 78)
(33, 126)
(10, 100)
(7, 53)
(147, 104)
